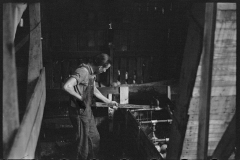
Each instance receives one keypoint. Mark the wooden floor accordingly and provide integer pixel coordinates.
(63, 148)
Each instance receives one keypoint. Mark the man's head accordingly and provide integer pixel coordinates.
(101, 63)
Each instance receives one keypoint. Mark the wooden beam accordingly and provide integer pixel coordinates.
(206, 79)
(237, 156)
(35, 48)
(226, 145)
(191, 57)
(32, 143)
(23, 136)
(11, 16)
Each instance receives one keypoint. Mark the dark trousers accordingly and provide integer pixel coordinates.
(87, 136)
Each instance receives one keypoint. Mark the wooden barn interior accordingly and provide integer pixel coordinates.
(174, 73)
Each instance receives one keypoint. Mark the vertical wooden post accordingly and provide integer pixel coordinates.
(12, 13)
(237, 156)
(206, 79)
(192, 53)
(35, 48)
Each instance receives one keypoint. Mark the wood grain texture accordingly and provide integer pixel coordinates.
(223, 94)
(191, 58)
(12, 13)
(23, 136)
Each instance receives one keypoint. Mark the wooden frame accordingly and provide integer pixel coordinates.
(206, 76)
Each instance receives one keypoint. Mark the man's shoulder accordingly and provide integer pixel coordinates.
(82, 70)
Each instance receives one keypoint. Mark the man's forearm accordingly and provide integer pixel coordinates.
(99, 95)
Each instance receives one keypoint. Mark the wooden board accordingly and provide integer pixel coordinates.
(21, 140)
(217, 91)
(227, 103)
(227, 144)
(9, 80)
(35, 48)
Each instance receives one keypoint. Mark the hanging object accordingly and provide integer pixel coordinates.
(21, 22)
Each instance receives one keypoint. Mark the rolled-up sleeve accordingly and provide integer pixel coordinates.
(80, 75)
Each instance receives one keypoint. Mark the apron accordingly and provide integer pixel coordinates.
(87, 138)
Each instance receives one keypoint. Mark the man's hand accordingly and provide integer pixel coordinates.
(114, 104)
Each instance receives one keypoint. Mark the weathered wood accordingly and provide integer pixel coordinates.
(12, 13)
(227, 24)
(35, 48)
(226, 6)
(220, 78)
(237, 156)
(190, 63)
(126, 106)
(228, 104)
(217, 91)
(221, 70)
(215, 115)
(226, 145)
(33, 140)
(206, 79)
(21, 140)
(124, 95)
(212, 145)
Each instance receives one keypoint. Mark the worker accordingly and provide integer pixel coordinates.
(81, 86)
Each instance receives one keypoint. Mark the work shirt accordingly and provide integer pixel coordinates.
(82, 74)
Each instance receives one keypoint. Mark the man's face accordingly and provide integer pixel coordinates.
(102, 69)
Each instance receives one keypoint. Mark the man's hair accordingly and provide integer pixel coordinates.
(102, 60)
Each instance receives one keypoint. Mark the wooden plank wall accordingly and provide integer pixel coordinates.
(223, 94)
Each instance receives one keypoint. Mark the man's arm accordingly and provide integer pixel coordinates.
(99, 95)
(69, 87)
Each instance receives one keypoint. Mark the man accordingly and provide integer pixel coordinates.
(81, 87)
